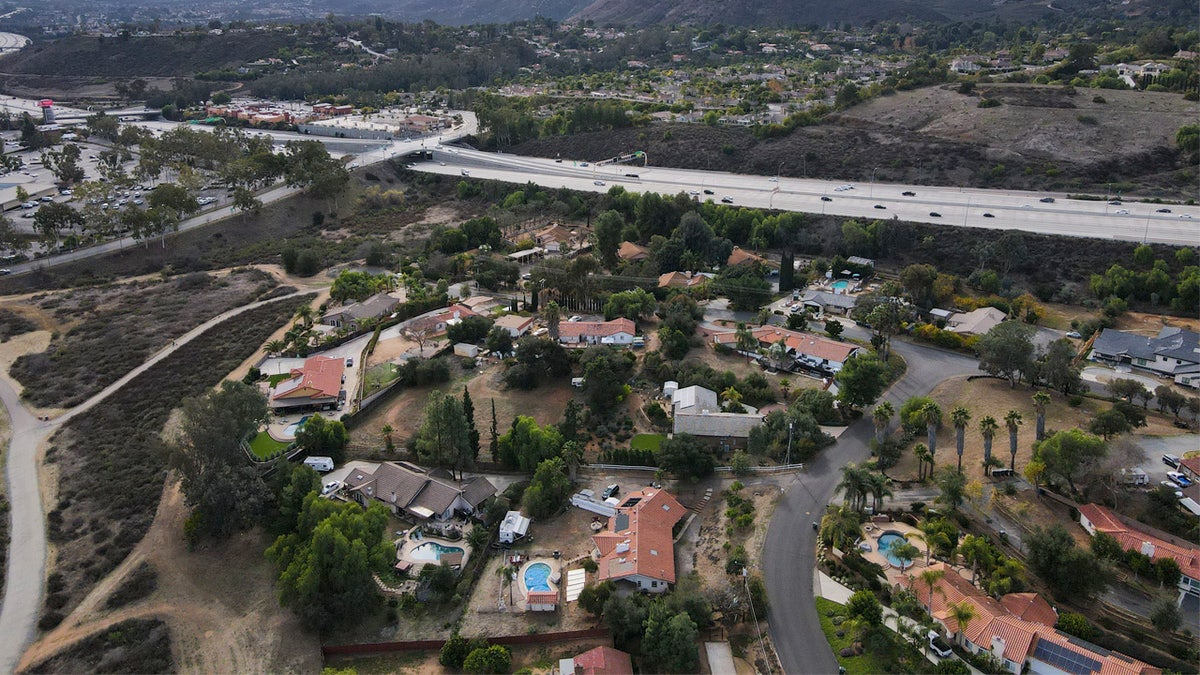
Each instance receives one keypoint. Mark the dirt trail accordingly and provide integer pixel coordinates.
(220, 623)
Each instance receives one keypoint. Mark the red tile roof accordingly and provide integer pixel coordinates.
(800, 343)
(642, 544)
(1133, 538)
(595, 328)
(319, 377)
(1031, 607)
(542, 597)
(632, 251)
(603, 661)
(739, 256)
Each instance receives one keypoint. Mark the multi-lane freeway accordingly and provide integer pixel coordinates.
(992, 209)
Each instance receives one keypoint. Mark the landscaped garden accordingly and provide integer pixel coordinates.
(379, 376)
(879, 650)
(264, 447)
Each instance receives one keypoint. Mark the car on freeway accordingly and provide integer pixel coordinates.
(1179, 479)
(558, 161)
(934, 214)
(597, 182)
(1162, 211)
(1074, 334)
(908, 193)
(1047, 200)
(1115, 202)
(694, 193)
(774, 179)
(465, 172)
(1122, 212)
(583, 164)
(826, 199)
(726, 199)
(632, 175)
(1186, 215)
(988, 215)
(880, 206)
(708, 192)
(1027, 206)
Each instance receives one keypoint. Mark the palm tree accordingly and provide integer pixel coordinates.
(552, 314)
(988, 428)
(477, 538)
(276, 347)
(923, 457)
(960, 416)
(905, 553)
(977, 552)
(785, 387)
(962, 613)
(572, 454)
(880, 487)
(733, 399)
(746, 342)
(931, 415)
(931, 577)
(506, 574)
(882, 417)
(854, 485)
(305, 314)
(1040, 400)
(839, 526)
(1013, 421)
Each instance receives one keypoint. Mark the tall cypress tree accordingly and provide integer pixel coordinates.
(472, 432)
(495, 437)
(787, 272)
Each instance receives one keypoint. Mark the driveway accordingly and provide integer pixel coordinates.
(788, 553)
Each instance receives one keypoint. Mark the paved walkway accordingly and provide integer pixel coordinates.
(720, 658)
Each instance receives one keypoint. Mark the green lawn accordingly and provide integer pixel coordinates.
(377, 377)
(872, 660)
(647, 441)
(263, 446)
(276, 379)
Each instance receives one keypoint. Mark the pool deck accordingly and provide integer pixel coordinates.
(872, 532)
(556, 567)
(278, 425)
(406, 544)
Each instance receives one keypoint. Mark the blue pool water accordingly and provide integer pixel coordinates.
(886, 541)
(432, 552)
(537, 577)
(291, 429)
(841, 285)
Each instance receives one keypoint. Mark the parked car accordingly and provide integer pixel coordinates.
(939, 646)
(1171, 461)
(1179, 479)
(349, 362)
(1174, 488)
(1074, 334)
(331, 486)
(611, 491)
(575, 319)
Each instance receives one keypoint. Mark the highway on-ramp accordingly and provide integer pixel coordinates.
(789, 550)
(967, 207)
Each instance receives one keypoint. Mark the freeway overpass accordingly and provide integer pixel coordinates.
(963, 207)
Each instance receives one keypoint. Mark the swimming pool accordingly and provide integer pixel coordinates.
(841, 285)
(887, 541)
(537, 577)
(431, 552)
(290, 431)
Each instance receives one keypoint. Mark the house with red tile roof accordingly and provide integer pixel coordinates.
(681, 279)
(316, 385)
(638, 547)
(598, 661)
(1022, 639)
(1135, 536)
(435, 322)
(741, 255)
(632, 252)
(808, 349)
(615, 332)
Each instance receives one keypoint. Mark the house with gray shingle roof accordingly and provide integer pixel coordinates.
(409, 490)
(353, 315)
(1173, 353)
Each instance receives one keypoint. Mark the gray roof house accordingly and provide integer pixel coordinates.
(697, 411)
(352, 315)
(1173, 353)
(411, 491)
(836, 303)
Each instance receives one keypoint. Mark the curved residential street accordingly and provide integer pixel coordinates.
(26, 574)
(788, 553)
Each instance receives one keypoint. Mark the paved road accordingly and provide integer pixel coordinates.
(1009, 209)
(788, 553)
(26, 573)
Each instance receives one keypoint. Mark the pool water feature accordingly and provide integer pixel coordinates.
(537, 577)
(887, 541)
(841, 285)
(432, 552)
(292, 429)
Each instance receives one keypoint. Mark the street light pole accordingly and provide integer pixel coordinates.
(872, 194)
(787, 460)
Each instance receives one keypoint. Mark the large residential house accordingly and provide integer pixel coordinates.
(1174, 353)
(436, 322)
(681, 279)
(805, 348)
(354, 314)
(409, 490)
(597, 661)
(1135, 536)
(515, 324)
(741, 255)
(697, 411)
(616, 332)
(632, 252)
(975, 322)
(638, 546)
(317, 385)
(1018, 629)
(829, 303)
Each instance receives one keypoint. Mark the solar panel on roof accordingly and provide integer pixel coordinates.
(1065, 659)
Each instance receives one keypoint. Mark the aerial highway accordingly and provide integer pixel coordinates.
(1043, 213)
